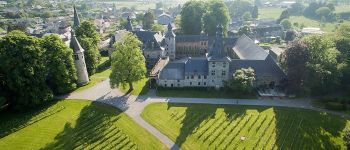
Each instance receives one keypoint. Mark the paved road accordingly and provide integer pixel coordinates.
(134, 105)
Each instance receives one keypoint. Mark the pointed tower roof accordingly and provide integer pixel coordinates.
(74, 43)
(76, 18)
(170, 32)
(217, 51)
(128, 26)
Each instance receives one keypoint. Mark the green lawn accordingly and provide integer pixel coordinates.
(199, 93)
(74, 124)
(140, 87)
(200, 126)
(270, 12)
(98, 77)
(328, 27)
(342, 8)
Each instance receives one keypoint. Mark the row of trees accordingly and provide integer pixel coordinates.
(33, 69)
(319, 64)
(197, 16)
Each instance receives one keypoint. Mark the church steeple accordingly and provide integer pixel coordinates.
(217, 50)
(128, 26)
(170, 32)
(76, 18)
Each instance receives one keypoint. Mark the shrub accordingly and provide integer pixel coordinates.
(346, 137)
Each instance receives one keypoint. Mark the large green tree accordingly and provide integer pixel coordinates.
(89, 39)
(217, 13)
(61, 73)
(294, 60)
(238, 7)
(23, 66)
(191, 17)
(148, 20)
(323, 70)
(242, 81)
(128, 63)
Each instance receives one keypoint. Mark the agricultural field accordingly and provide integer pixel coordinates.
(268, 12)
(74, 124)
(306, 22)
(199, 126)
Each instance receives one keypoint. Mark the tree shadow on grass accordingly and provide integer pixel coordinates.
(12, 121)
(307, 129)
(91, 128)
(202, 121)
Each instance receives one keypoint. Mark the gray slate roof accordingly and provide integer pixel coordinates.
(173, 71)
(261, 67)
(197, 66)
(245, 48)
(147, 37)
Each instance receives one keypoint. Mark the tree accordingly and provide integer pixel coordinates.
(89, 39)
(23, 66)
(148, 20)
(238, 7)
(242, 81)
(244, 30)
(290, 35)
(294, 60)
(61, 73)
(323, 74)
(255, 12)
(323, 12)
(217, 13)
(191, 17)
(286, 24)
(284, 15)
(310, 11)
(296, 9)
(346, 137)
(128, 63)
(247, 16)
(157, 28)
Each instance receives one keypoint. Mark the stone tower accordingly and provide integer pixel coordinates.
(218, 61)
(79, 60)
(170, 43)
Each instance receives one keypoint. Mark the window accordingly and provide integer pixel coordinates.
(178, 80)
(190, 83)
(172, 85)
(223, 73)
(205, 83)
(165, 85)
(205, 77)
(199, 83)
(224, 64)
(199, 76)
(192, 76)
(213, 72)
(188, 77)
(76, 57)
(178, 85)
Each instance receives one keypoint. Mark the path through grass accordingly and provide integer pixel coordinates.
(74, 124)
(199, 126)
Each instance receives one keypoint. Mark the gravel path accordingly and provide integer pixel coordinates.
(134, 105)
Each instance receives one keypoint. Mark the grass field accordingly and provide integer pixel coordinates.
(97, 77)
(200, 93)
(328, 27)
(199, 126)
(140, 87)
(74, 124)
(342, 8)
(274, 12)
